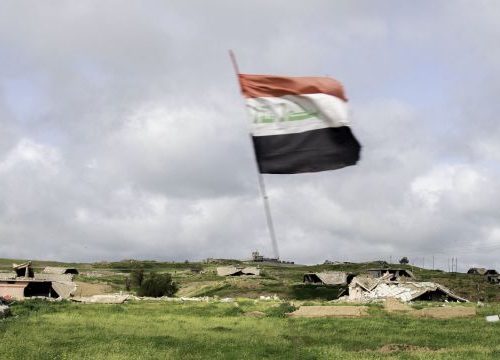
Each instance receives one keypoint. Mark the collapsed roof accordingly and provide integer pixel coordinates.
(25, 269)
(237, 271)
(328, 278)
(59, 270)
(395, 272)
(482, 271)
(365, 288)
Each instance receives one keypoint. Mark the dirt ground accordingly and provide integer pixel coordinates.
(330, 311)
(441, 312)
(87, 289)
(393, 305)
(445, 312)
(390, 348)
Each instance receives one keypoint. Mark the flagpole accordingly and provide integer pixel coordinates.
(262, 185)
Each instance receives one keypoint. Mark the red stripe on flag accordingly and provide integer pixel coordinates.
(253, 86)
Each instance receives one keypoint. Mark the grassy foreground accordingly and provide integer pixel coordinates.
(164, 330)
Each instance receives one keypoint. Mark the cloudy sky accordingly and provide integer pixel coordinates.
(123, 134)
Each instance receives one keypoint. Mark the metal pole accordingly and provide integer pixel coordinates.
(262, 185)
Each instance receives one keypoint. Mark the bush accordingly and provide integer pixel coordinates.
(157, 285)
(281, 310)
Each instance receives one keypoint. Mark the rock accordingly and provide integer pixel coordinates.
(4, 311)
(227, 300)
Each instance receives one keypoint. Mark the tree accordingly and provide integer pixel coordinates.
(137, 277)
(157, 285)
(404, 261)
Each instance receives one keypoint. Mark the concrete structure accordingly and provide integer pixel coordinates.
(395, 272)
(491, 274)
(59, 270)
(482, 271)
(338, 278)
(25, 283)
(237, 271)
(364, 288)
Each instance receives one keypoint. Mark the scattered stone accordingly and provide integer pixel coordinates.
(103, 299)
(227, 300)
(492, 318)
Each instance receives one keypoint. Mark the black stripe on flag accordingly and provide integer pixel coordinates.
(309, 151)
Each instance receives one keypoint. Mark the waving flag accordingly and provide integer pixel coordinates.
(298, 124)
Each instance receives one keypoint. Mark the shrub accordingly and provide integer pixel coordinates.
(157, 285)
(281, 310)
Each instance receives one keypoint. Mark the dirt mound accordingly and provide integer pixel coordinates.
(330, 311)
(393, 305)
(87, 289)
(445, 312)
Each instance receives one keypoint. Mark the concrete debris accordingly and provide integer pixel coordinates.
(330, 311)
(24, 270)
(4, 311)
(492, 318)
(365, 288)
(59, 270)
(64, 289)
(391, 273)
(54, 277)
(237, 271)
(227, 300)
(269, 298)
(103, 299)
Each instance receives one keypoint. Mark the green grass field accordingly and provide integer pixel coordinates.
(168, 330)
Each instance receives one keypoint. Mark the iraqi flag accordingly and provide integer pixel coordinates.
(298, 124)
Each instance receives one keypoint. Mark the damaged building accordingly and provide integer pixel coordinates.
(59, 270)
(237, 271)
(366, 288)
(492, 276)
(24, 283)
(334, 278)
(396, 273)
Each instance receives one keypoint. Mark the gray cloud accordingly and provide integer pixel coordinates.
(123, 132)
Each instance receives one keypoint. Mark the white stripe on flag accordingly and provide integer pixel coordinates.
(291, 114)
